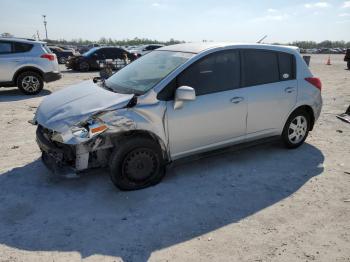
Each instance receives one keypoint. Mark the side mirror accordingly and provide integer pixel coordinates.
(182, 94)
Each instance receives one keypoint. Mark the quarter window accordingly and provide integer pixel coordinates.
(22, 47)
(215, 73)
(286, 64)
(260, 67)
(5, 47)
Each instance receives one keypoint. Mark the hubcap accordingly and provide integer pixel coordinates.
(30, 83)
(140, 164)
(297, 129)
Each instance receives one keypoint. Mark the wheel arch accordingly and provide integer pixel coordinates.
(117, 139)
(27, 69)
(308, 109)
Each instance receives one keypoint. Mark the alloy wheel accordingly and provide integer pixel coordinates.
(297, 129)
(30, 84)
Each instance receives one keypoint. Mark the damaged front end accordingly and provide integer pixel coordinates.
(85, 145)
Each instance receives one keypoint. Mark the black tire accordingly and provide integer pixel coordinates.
(349, 65)
(62, 60)
(30, 83)
(296, 129)
(84, 66)
(136, 163)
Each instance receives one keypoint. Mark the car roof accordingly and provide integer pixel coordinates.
(21, 40)
(201, 47)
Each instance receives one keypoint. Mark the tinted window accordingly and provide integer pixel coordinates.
(5, 47)
(22, 47)
(102, 54)
(286, 64)
(260, 67)
(116, 53)
(214, 73)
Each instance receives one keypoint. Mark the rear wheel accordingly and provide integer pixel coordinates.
(137, 163)
(296, 129)
(30, 83)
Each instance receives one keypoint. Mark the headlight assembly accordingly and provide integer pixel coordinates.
(89, 130)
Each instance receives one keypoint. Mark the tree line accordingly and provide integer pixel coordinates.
(142, 41)
(113, 42)
(323, 44)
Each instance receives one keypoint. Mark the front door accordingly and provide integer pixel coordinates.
(218, 114)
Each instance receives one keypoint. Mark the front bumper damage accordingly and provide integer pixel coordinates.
(69, 160)
(57, 158)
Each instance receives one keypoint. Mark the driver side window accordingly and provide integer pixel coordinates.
(216, 72)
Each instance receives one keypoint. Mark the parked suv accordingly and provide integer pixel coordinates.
(88, 60)
(26, 64)
(178, 101)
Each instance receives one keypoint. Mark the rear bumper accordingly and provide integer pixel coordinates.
(52, 76)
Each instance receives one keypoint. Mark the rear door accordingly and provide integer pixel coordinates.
(269, 81)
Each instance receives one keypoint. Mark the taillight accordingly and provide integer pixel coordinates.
(316, 82)
(50, 57)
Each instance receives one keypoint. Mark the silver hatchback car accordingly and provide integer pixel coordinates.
(178, 101)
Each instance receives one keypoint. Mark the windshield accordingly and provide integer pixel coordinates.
(145, 72)
(92, 50)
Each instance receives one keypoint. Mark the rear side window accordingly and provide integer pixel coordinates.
(5, 47)
(21, 47)
(287, 65)
(215, 73)
(259, 67)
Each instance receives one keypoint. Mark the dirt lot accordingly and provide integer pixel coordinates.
(262, 203)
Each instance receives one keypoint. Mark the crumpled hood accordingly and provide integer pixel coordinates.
(64, 108)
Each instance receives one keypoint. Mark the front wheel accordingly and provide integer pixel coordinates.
(296, 129)
(137, 163)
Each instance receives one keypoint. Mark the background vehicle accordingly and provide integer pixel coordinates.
(84, 48)
(62, 55)
(144, 49)
(27, 64)
(347, 58)
(88, 60)
(179, 101)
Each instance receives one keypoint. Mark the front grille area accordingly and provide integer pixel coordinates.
(44, 138)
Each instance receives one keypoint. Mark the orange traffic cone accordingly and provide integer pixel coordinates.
(329, 61)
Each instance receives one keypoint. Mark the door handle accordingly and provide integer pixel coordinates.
(289, 90)
(237, 99)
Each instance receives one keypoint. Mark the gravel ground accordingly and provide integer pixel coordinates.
(262, 203)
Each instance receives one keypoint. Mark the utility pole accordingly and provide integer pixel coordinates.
(45, 23)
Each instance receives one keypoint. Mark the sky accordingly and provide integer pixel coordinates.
(220, 20)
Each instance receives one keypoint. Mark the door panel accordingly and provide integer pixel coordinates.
(218, 114)
(271, 89)
(269, 104)
(209, 119)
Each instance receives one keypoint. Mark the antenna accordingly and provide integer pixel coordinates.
(262, 39)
